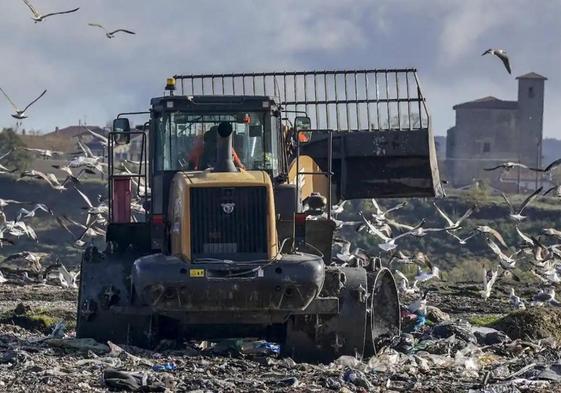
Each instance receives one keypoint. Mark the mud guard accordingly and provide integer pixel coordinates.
(368, 308)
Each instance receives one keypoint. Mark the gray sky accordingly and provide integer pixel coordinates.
(91, 77)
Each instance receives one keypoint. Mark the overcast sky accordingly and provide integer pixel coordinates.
(92, 78)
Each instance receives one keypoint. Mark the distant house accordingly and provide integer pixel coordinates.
(79, 132)
(489, 131)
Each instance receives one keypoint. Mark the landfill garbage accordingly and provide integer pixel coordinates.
(78, 344)
(446, 356)
(133, 382)
(260, 348)
(164, 367)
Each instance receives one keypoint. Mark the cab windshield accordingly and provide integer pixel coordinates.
(187, 141)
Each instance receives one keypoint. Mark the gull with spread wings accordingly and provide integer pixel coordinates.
(507, 262)
(38, 17)
(20, 114)
(111, 34)
(453, 225)
(517, 215)
(501, 54)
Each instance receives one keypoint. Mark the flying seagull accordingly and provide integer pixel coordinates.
(453, 225)
(554, 164)
(404, 287)
(507, 166)
(462, 241)
(38, 17)
(489, 279)
(20, 114)
(501, 54)
(517, 215)
(507, 262)
(490, 231)
(102, 139)
(111, 34)
(44, 153)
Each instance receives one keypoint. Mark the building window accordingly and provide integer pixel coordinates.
(531, 92)
(486, 147)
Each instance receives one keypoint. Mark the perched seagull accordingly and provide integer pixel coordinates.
(426, 276)
(111, 34)
(44, 153)
(501, 54)
(507, 166)
(453, 225)
(20, 114)
(487, 230)
(544, 297)
(515, 301)
(517, 215)
(488, 282)
(37, 17)
(507, 262)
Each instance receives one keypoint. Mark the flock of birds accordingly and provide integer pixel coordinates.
(542, 260)
(37, 17)
(81, 163)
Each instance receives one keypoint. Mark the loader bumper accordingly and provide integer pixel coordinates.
(168, 284)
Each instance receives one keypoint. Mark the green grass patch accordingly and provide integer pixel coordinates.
(484, 320)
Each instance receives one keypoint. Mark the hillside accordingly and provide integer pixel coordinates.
(442, 248)
(51, 238)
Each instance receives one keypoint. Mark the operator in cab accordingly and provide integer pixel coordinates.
(203, 155)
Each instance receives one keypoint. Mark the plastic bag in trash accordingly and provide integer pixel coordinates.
(164, 367)
(260, 348)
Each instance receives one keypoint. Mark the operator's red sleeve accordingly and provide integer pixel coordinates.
(196, 154)
(237, 162)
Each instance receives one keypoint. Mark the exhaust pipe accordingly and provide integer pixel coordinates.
(224, 161)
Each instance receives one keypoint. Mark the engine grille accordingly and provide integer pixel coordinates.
(229, 222)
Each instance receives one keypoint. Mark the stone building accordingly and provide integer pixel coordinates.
(489, 131)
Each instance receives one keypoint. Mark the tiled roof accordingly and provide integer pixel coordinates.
(488, 103)
(531, 75)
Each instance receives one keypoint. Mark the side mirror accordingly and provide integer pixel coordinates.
(121, 129)
(302, 126)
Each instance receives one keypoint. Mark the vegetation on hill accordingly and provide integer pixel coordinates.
(462, 262)
(11, 142)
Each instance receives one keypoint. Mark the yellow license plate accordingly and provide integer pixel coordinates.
(196, 272)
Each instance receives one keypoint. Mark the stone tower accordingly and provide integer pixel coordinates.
(530, 118)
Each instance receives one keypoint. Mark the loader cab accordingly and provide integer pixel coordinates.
(185, 133)
(183, 138)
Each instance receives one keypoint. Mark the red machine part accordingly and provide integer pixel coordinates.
(121, 200)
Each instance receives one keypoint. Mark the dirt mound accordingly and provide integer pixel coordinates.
(536, 323)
